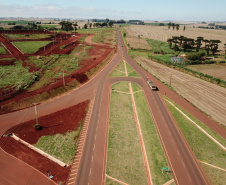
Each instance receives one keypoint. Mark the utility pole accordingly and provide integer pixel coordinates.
(170, 79)
(36, 115)
(63, 78)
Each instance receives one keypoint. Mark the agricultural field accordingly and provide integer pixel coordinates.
(200, 93)
(215, 70)
(162, 33)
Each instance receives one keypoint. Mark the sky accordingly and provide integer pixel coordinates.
(159, 10)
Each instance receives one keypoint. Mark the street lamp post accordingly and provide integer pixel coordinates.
(63, 79)
(36, 115)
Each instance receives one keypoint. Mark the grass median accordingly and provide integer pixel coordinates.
(124, 158)
(154, 150)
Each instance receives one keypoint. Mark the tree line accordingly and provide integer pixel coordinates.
(187, 44)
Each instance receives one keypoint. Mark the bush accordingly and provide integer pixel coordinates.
(196, 56)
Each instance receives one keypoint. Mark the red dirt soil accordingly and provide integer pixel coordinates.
(98, 52)
(58, 122)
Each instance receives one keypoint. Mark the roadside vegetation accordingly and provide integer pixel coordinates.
(61, 146)
(124, 157)
(155, 153)
(118, 166)
(203, 147)
(29, 47)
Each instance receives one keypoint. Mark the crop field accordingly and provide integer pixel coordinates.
(162, 33)
(159, 46)
(208, 97)
(215, 70)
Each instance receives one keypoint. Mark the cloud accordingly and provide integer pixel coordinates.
(53, 10)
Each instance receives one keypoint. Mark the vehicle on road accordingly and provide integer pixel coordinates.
(152, 84)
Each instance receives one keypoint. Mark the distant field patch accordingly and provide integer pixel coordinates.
(215, 70)
(29, 36)
(159, 46)
(30, 47)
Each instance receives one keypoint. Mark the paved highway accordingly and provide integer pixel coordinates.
(92, 166)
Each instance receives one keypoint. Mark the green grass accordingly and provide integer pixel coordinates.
(30, 47)
(17, 22)
(15, 76)
(159, 46)
(124, 158)
(31, 36)
(119, 71)
(203, 147)
(154, 150)
(101, 35)
(83, 38)
(131, 72)
(60, 146)
(2, 50)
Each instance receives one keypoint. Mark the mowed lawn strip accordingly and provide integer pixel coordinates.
(131, 72)
(124, 157)
(30, 47)
(203, 147)
(119, 71)
(60, 146)
(2, 49)
(154, 150)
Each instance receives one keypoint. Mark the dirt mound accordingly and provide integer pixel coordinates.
(58, 122)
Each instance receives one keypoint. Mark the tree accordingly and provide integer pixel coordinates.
(90, 25)
(170, 42)
(184, 27)
(110, 23)
(75, 26)
(225, 48)
(66, 25)
(85, 26)
(173, 24)
(169, 25)
(177, 26)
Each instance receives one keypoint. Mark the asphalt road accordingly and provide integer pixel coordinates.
(184, 166)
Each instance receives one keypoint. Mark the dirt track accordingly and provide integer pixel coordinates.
(208, 97)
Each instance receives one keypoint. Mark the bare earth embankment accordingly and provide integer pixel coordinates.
(208, 97)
